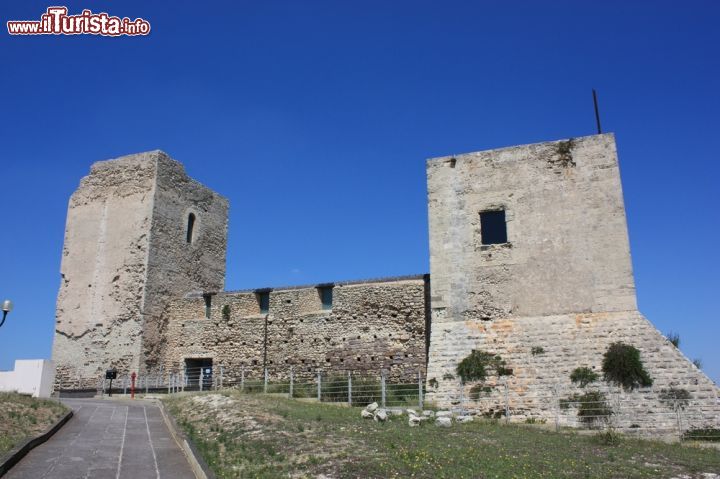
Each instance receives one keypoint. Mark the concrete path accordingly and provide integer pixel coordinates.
(107, 439)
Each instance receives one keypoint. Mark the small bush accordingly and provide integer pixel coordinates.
(432, 382)
(622, 366)
(674, 339)
(448, 377)
(226, 312)
(593, 408)
(711, 434)
(537, 350)
(608, 437)
(583, 376)
(475, 366)
(675, 398)
(335, 389)
(697, 362)
(478, 390)
(364, 391)
(565, 403)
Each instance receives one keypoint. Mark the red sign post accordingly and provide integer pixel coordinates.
(132, 385)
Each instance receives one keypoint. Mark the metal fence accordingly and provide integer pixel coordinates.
(354, 388)
(642, 413)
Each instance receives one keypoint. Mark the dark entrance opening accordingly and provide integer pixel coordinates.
(198, 370)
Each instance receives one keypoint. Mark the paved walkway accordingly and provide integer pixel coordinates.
(107, 439)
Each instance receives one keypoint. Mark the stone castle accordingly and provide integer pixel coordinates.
(529, 251)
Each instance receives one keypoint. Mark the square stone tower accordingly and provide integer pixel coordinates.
(139, 232)
(530, 260)
(565, 247)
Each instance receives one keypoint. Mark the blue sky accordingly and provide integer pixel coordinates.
(315, 119)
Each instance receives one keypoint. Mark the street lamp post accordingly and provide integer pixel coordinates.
(7, 306)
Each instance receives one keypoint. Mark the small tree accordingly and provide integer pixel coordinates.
(583, 376)
(226, 312)
(622, 366)
(677, 400)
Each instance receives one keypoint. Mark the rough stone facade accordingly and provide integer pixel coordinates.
(144, 262)
(372, 325)
(562, 281)
(125, 256)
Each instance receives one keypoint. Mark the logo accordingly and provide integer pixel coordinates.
(56, 21)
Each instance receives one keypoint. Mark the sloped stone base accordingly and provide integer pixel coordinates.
(568, 341)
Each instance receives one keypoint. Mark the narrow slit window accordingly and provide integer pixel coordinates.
(326, 296)
(190, 227)
(208, 304)
(493, 228)
(264, 301)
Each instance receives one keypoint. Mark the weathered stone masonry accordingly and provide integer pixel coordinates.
(125, 256)
(145, 250)
(373, 325)
(562, 281)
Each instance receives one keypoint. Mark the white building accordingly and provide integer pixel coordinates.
(30, 376)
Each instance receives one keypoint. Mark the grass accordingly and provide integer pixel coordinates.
(256, 436)
(335, 389)
(23, 417)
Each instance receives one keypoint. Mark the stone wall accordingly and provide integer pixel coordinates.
(176, 266)
(372, 325)
(568, 341)
(562, 281)
(125, 256)
(104, 264)
(567, 249)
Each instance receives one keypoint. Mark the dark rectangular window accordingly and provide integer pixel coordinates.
(493, 228)
(264, 301)
(326, 296)
(208, 304)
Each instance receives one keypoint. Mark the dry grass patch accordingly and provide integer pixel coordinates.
(23, 417)
(251, 435)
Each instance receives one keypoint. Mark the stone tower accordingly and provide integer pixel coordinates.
(529, 251)
(139, 232)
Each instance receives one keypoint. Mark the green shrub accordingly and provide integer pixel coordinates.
(608, 437)
(478, 390)
(226, 312)
(675, 398)
(253, 386)
(335, 389)
(583, 376)
(593, 407)
(674, 339)
(537, 350)
(433, 383)
(697, 363)
(565, 403)
(475, 366)
(622, 366)
(564, 153)
(711, 434)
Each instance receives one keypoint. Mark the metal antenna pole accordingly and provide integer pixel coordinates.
(597, 112)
